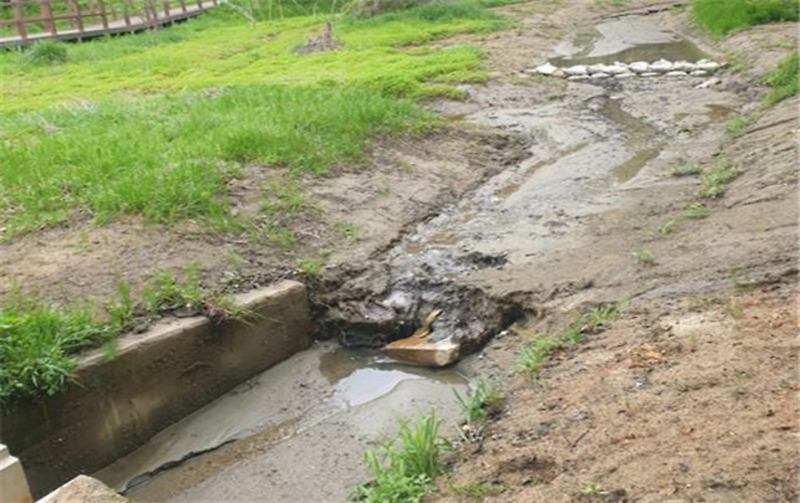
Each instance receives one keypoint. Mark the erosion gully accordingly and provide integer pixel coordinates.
(298, 431)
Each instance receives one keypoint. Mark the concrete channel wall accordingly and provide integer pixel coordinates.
(155, 379)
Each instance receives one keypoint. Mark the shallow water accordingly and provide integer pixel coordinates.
(321, 384)
(625, 40)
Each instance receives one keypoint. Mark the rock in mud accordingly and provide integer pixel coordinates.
(599, 68)
(675, 74)
(661, 66)
(576, 71)
(546, 69)
(600, 75)
(617, 68)
(708, 83)
(699, 73)
(578, 78)
(707, 65)
(684, 66)
(650, 74)
(639, 67)
(423, 352)
(625, 75)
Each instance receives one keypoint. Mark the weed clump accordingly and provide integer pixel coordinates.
(540, 347)
(714, 181)
(38, 341)
(482, 401)
(35, 345)
(404, 467)
(784, 80)
(47, 53)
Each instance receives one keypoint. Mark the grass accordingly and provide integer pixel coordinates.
(696, 211)
(172, 159)
(46, 53)
(38, 341)
(667, 227)
(384, 53)
(35, 343)
(687, 170)
(714, 181)
(158, 124)
(404, 467)
(310, 266)
(645, 257)
(722, 17)
(484, 400)
(540, 348)
(784, 79)
(738, 126)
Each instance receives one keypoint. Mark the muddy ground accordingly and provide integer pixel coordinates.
(532, 206)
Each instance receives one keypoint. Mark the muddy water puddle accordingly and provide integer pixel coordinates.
(305, 394)
(625, 40)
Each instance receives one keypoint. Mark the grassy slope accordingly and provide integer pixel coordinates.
(104, 151)
(720, 17)
(157, 124)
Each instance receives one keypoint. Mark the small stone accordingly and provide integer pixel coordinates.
(662, 66)
(650, 74)
(684, 66)
(600, 75)
(559, 73)
(699, 73)
(625, 75)
(675, 74)
(576, 70)
(575, 78)
(707, 65)
(639, 67)
(546, 69)
(617, 69)
(600, 68)
(708, 83)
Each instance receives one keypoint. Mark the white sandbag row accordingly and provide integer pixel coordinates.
(619, 70)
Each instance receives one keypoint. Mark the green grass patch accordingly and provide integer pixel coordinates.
(720, 17)
(540, 348)
(169, 159)
(784, 79)
(38, 341)
(220, 50)
(738, 126)
(715, 180)
(35, 342)
(482, 401)
(696, 211)
(405, 466)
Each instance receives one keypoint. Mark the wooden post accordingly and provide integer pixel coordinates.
(19, 20)
(103, 16)
(166, 10)
(78, 18)
(126, 13)
(47, 15)
(183, 5)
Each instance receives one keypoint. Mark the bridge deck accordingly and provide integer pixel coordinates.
(132, 25)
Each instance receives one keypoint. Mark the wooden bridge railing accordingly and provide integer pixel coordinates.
(25, 19)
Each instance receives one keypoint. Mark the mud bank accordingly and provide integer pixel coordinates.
(155, 379)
